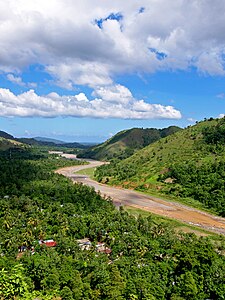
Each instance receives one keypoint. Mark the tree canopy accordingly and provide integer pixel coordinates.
(148, 260)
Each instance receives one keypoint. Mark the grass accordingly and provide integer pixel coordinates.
(87, 172)
(152, 179)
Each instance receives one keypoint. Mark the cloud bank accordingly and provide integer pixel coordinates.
(91, 42)
(88, 42)
(115, 102)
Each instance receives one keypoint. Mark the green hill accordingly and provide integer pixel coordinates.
(6, 144)
(189, 163)
(45, 139)
(39, 141)
(7, 141)
(5, 135)
(127, 142)
(47, 142)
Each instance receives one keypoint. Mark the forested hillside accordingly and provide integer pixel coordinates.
(189, 163)
(126, 143)
(9, 144)
(145, 260)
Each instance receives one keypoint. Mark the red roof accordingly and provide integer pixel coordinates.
(48, 243)
(51, 244)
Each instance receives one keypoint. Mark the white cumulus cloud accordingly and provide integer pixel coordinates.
(15, 79)
(88, 42)
(114, 93)
(52, 105)
(221, 116)
(91, 42)
(19, 81)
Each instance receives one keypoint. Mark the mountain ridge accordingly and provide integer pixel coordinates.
(6, 135)
(126, 142)
(45, 139)
(188, 163)
(42, 141)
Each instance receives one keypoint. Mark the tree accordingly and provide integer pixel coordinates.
(66, 293)
(13, 283)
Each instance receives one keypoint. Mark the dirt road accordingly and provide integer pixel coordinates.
(155, 205)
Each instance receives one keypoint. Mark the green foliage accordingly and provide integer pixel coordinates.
(189, 163)
(204, 182)
(148, 259)
(126, 143)
(13, 283)
(30, 166)
(6, 144)
(215, 135)
(66, 293)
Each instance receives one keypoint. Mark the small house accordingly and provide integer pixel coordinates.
(47, 243)
(84, 244)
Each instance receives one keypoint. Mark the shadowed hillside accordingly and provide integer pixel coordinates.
(5, 135)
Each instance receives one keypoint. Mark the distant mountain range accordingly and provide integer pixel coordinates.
(42, 141)
(120, 146)
(127, 142)
(50, 140)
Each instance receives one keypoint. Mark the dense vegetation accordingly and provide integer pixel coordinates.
(189, 163)
(148, 260)
(126, 143)
(6, 144)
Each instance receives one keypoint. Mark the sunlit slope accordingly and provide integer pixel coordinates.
(6, 144)
(189, 163)
(127, 142)
(7, 141)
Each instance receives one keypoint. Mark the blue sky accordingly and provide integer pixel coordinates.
(84, 71)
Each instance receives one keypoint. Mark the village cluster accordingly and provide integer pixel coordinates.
(84, 244)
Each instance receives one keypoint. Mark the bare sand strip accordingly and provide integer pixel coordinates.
(155, 205)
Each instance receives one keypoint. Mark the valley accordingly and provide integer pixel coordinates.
(112, 150)
(155, 205)
(46, 195)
